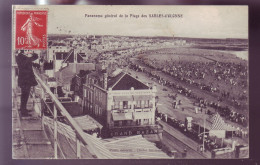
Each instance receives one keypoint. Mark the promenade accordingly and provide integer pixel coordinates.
(181, 137)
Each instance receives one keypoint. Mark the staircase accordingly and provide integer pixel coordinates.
(29, 139)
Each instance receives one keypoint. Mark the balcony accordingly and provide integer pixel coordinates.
(121, 107)
(48, 136)
(142, 106)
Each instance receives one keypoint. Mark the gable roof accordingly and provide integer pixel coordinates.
(124, 81)
(71, 55)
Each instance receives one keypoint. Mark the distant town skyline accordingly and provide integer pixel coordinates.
(60, 34)
(197, 21)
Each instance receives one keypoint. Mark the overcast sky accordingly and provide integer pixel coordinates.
(197, 21)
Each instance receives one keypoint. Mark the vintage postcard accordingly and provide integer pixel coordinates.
(130, 82)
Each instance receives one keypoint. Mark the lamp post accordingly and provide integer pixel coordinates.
(204, 133)
(203, 143)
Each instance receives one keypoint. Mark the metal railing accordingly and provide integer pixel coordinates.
(81, 138)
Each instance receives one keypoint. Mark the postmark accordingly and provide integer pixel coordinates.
(31, 29)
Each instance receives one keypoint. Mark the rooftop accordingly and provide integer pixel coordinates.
(124, 81)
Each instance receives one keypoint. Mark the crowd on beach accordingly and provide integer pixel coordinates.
(177, 73)
(221, 78)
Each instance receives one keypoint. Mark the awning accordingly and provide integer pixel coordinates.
(123, 98)
(122, 116)
(142, 97)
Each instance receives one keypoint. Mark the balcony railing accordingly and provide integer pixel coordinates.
(143, 106)
(121, 107)
(72, 127)
(129, 107)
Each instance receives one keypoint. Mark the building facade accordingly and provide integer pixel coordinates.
(123, 104)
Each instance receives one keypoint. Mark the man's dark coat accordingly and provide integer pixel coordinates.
(26, 76)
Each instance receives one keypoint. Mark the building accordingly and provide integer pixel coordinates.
(62, 59)
(56, 47)
(123, 104)
(65, 75)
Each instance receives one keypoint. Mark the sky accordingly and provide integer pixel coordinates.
(196, 21)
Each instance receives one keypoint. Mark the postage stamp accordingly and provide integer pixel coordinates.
(31, 29)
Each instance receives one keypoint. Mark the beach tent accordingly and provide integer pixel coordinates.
(218, 126)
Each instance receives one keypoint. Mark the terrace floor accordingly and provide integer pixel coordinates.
(29, 139)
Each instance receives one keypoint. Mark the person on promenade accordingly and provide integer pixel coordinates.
(26, 77)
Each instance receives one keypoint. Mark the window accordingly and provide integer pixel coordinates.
(129, 122)
(116, 104)
(92, 97)
(142, 104)
(99, 111)
(85, 93)
(138, 122)
(116, 123)
(120, 105)
(146, 121)
(124, 123)
(138, 104)
(120, 123)
(125, 104)
(146, 103)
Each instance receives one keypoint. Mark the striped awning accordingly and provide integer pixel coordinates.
(219, 124)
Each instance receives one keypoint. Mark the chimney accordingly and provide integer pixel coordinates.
(105, 80)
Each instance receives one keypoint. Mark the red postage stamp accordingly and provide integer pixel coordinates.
(31, 29)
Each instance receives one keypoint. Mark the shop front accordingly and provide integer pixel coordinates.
(129, 131)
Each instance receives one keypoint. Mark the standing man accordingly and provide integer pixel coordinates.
(26, 78)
